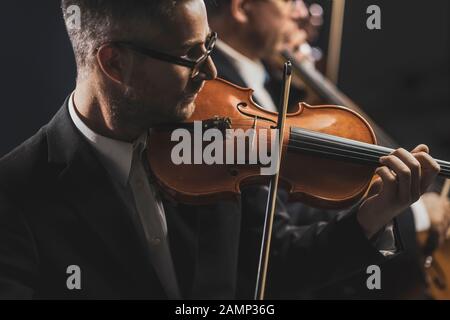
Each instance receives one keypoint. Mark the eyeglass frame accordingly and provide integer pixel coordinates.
(194, 65)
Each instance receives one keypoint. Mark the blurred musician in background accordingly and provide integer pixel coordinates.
(253, 34)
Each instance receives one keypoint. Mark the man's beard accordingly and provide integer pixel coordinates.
(184, 111)
(131, 112)
(127, 111)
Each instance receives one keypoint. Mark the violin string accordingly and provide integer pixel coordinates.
(317, 148)
(326, 138)
(318, 137)
(341, 148)
(344, 150)
(337, 151)
(344, 142)
(335, 141)
(445, 166)
(330, 145)
(335, 155)
(351, 149)
(364, 159)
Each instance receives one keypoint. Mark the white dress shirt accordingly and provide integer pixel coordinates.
(421, 218)
(123, 162)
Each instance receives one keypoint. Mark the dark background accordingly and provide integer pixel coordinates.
(399, 75)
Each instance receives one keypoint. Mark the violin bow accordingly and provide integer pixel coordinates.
(335, 41)
(273, 189)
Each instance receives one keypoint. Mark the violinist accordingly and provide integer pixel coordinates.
(252, 33)
(80, 213)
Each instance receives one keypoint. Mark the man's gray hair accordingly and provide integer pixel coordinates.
(100, 21)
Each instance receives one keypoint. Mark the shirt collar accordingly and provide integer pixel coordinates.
(251, 71)
(115, 155)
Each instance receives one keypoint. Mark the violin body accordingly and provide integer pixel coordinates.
(314, 179)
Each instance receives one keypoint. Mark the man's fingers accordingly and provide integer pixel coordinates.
(421, 148)
(375, 187)
(430, 169)
(415, 167)
(403, 174)
(389, 180)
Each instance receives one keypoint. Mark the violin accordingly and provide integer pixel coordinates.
(329, 153)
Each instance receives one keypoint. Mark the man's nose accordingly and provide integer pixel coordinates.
(299, 10)
(208, 70)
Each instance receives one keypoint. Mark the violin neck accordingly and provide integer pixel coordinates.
(339, 148)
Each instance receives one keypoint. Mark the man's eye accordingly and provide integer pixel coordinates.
(194, 53)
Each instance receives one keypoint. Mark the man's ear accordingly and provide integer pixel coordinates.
(114, 63)
(239, 10)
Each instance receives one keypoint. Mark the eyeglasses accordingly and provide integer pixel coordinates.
(194, 65)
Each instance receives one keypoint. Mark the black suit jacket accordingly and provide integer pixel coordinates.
(58, 208)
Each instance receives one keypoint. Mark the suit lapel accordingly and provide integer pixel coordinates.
(226, 70)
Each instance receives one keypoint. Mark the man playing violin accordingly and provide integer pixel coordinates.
(80, 216)
(252, 33)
